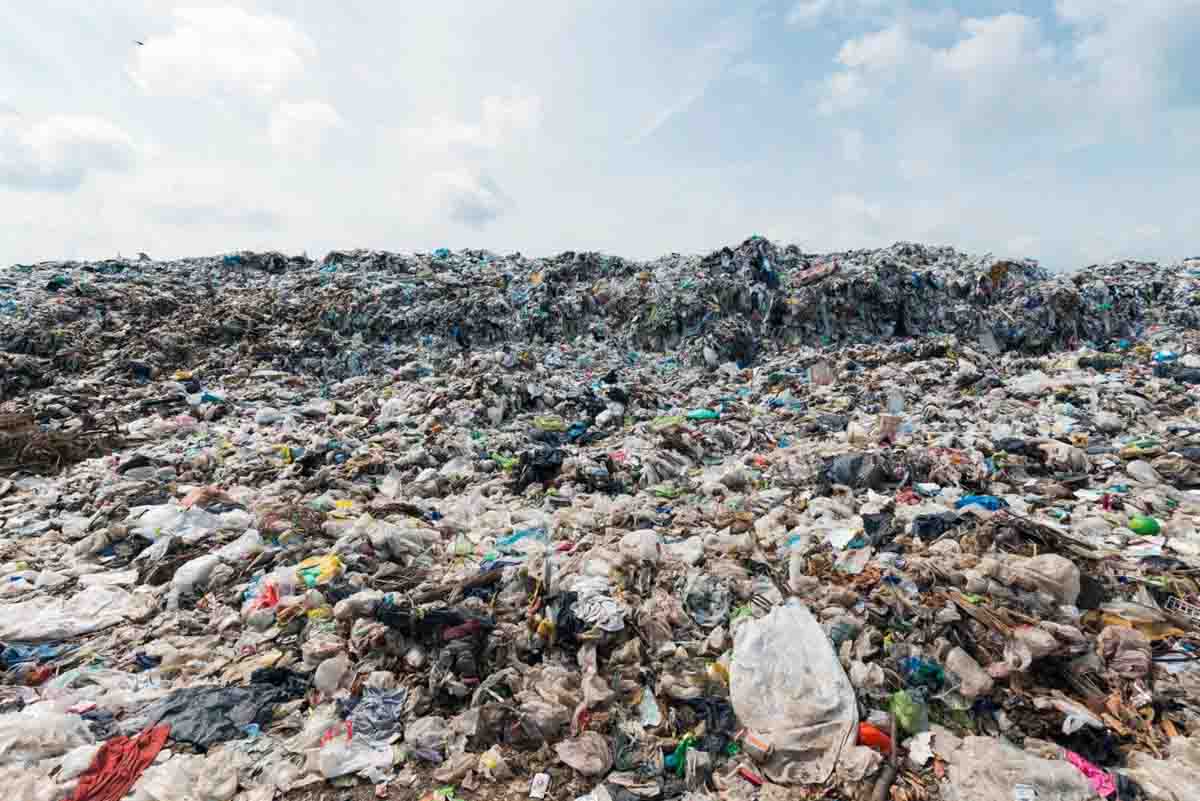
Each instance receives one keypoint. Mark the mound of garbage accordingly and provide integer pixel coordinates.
(902, 523)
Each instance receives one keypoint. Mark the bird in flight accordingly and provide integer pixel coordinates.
(139, 44)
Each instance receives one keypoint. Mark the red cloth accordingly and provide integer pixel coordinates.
(118, 764)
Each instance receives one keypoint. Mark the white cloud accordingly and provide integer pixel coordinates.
(843, 91)
(58, 152)
(855, 221)
(502, 120)
(996, 44)
(715, 57)
(1137, 51)
(301, 127)
(870, 63)
(471, 198)
(456, 161)
(193, 197)
(998, 69)
(678, 106)
(508, 116)
(915, 169)
(752, 70)
(852, 145)
(851, 206)
(962, 125)
(808, 12)
(222, 50)
(880, 50)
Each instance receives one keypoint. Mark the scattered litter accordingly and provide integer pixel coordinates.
(759, 523)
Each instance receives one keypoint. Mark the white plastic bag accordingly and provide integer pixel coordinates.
(788, 685)
(41, 619)
(40, 733)
(988, 767)
(190, 576)
(28, 783)
(331, 674)
(342, 758)
(187, 777)
(77, 760)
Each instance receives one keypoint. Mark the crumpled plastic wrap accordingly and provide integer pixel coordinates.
(988, 767)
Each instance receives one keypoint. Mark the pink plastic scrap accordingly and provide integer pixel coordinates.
(1102, 782)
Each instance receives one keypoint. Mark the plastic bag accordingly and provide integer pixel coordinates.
(428, 733)
(186, 777)
(589, 754)
(988, 767)
(37, 734)
(248, 545)
(95, 608)
(343, 757)
(1172, 779)
(190, 577)
(787, 683)
(76, 761)
(28, 783)
(910, 712)
(332, 673)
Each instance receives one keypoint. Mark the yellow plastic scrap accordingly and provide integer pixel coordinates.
(1154, 630)
(317, 570)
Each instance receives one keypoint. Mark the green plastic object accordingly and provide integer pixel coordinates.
(550, 422)
(505, 462)
(663, 423)
(703, 414)
(677, 760)
(1141, 524)
(910, 712)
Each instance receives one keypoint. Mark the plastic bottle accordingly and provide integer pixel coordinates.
(1141, 524)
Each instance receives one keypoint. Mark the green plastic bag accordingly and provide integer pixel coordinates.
(911, 713)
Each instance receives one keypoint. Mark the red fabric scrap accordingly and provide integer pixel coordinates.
(118, 764)
(750, 776)
(465, 630)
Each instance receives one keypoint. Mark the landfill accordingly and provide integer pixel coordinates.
(904, 524)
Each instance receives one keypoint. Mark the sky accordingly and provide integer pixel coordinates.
(1066, 131)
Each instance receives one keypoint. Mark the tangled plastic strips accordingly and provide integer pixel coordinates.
(23, 445)
(1181, 607)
